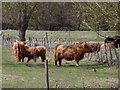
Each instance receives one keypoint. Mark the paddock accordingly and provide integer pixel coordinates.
(90, 74)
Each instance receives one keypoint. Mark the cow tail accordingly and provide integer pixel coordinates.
(18, 52)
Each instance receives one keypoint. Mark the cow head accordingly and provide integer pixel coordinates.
(26, 46)
(85, 46)
(24, 43)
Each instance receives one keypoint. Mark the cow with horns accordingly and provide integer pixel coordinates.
(22, 50)
(115, 39)
(72, 52)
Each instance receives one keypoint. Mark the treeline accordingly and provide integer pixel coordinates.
(60, 16)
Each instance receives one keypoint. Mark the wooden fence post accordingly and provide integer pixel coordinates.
(101, 57)
(46, 74)
(106, 55)
(111, 57)
(1, 36)
(47, 41)
(116, 54)
(119, 67)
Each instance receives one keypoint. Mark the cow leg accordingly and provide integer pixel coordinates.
(19, 59)
(77, 63)
(56, 62)
(43, 57)
(28, 60)
(34, 59)
(60, 61)
(23, 59)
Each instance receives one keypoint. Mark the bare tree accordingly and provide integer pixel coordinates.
(18, 14)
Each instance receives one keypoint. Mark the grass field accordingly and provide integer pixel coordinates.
(32, 74)
(73, 35)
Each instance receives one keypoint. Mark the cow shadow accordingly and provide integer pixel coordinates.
(22, 64)
(35, 65)
(88, 66)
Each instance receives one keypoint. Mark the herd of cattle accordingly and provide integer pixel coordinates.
(69, 52)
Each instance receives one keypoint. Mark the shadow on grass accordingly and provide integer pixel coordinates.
(22, 64)
(41, 65)
(35, 65)
(88, 66)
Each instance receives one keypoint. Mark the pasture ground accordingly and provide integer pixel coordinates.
(32, 74)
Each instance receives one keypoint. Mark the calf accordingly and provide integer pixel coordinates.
(41, 52)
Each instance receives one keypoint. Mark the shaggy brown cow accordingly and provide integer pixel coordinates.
(41, 52)
(36, 52)
(72, 52)
(31, 53)
(20, 48)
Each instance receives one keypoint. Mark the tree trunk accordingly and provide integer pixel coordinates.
(22, 35)
(118, 19)
(24, 23)
(23, 29)
(78, 26)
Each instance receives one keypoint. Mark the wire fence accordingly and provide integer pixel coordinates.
(49, 43)
(106, 55)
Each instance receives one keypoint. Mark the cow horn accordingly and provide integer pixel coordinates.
(16, 40)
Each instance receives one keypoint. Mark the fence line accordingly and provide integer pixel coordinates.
(106, 55)
(50, 43)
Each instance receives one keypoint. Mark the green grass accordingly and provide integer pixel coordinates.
(32, 74)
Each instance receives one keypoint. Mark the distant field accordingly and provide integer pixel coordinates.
(32, 75)
(72, 35)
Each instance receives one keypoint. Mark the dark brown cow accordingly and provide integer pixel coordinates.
(20, 49)
(41, 52)
(72, 52)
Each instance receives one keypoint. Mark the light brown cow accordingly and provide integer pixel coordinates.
(72, 52)
(108, 45)
(20, 49)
